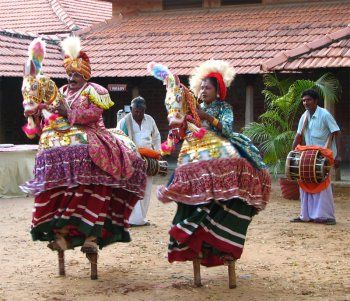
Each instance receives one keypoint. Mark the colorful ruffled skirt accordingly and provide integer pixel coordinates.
(217, 191)
(73, 193)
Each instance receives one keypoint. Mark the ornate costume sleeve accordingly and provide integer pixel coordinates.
(85, 116)
(98, 95)
(226, 119)
(98, 99)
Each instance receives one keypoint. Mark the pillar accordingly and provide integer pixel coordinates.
(336, 175)
(135, 92)
(249, 104)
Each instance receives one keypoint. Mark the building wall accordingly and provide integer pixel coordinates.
(12, 119)
(11, 112)
(150, 88)
(287, 1)
(133, 6)
(154, 93)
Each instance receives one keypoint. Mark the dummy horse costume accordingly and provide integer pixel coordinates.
(74, 197)
(217, 185)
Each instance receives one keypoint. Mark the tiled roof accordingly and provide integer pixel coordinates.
(87, 12)
(52, 16)
(330, 51)
(14, 53)
(244, 35)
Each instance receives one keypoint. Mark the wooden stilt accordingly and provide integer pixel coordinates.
(231, 273)
(61, 268)
(197, 272)
(93, 261)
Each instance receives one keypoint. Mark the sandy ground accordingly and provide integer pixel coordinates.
(281, 260)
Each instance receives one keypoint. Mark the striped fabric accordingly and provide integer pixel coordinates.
(87, 210)
(215, 229)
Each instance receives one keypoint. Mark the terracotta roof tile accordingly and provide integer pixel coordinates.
(328, 51)
(246, 36)
(52, 16)
(14, 52)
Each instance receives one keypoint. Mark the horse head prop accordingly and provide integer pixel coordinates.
(39, 91)
(181, 106)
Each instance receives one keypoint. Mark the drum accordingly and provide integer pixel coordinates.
(156, 167)
(309, 166)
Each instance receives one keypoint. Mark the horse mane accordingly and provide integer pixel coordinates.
(190, 104)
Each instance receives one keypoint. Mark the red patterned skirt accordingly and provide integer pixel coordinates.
(85, 210)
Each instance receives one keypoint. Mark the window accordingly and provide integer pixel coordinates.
(176, 4)
(233, 2)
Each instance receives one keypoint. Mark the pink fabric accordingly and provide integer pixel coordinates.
(105, 150)
(220, 179)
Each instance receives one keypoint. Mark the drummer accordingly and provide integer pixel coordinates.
(317, 127)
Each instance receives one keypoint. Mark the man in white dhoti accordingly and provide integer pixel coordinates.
(317, 127)
(142, 129)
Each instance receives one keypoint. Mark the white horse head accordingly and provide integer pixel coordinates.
(181, 106)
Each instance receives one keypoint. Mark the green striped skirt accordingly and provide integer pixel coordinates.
(209, 231)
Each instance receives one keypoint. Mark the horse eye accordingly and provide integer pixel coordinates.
(34, 86)
(178, 98)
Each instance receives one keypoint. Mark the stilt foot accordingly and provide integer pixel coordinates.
(197, 272)
(231, 273)
(61, 268)
(92, 257)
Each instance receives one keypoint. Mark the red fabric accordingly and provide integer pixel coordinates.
(91, 203)
(232, 177)
(195, 242)
(316, 187)
(107, 152)
(222, 86)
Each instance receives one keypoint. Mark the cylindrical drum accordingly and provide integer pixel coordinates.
(156, 167)
(309, 166)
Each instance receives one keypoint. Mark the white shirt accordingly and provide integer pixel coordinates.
(319, 127)
(146, 135)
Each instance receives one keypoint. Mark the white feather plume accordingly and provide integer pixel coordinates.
(227, 72)
(71, 46)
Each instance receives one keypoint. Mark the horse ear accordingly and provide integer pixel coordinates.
(32, 68)
(29, 69)
(177, 80)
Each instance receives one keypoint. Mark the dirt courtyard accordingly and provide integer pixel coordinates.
(281, 260)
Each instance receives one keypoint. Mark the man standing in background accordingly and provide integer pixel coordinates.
(317, 127)
(142, 129)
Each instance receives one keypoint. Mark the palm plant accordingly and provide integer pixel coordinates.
(275, 131)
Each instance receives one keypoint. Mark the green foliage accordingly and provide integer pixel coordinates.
(275, 131)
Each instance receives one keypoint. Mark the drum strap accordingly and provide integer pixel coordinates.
(305, 123)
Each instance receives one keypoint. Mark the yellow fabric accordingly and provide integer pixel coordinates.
(103, 101)
(77, 65)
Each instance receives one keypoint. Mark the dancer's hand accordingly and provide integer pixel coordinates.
(61, 110)
(202, 115)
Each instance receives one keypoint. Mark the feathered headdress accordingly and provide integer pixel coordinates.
(221, 70)
(36, 54)
(75, 59)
